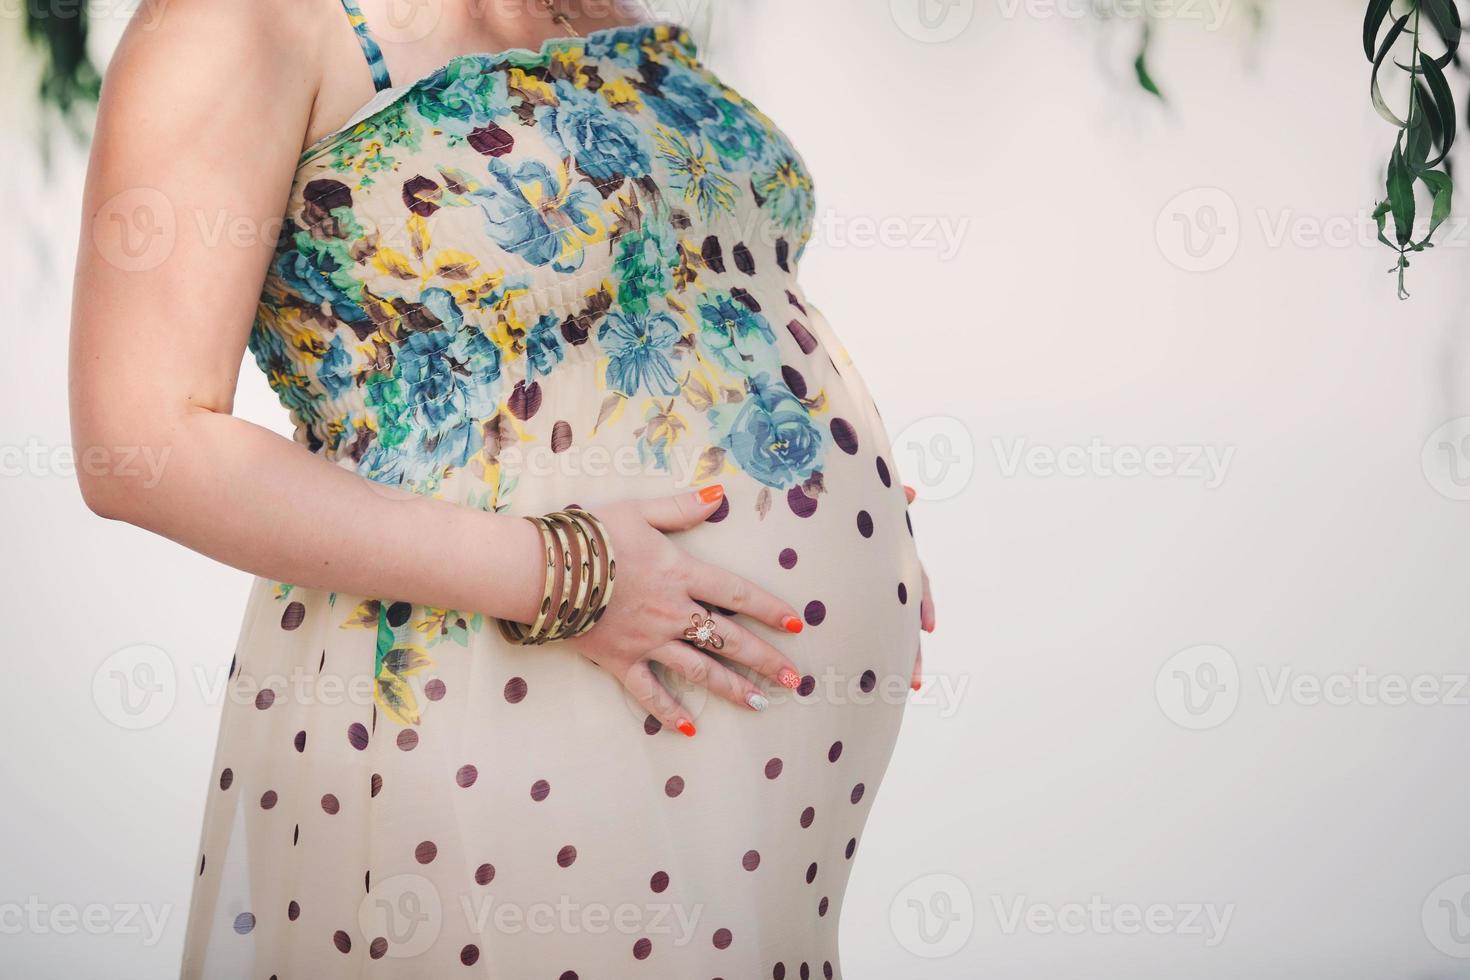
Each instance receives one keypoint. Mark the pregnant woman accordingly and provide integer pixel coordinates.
(535, 317)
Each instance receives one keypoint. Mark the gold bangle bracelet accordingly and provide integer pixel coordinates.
(605, 568)
(519, 632)
(574, 612)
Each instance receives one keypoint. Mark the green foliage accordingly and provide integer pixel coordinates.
(69, 81)
(1427, 130)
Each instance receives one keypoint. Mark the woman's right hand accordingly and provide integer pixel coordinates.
(658, 589)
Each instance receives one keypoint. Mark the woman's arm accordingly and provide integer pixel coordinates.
(199, 131)
(198, 134)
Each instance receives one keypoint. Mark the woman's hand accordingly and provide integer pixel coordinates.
(659, 588)
(926, 614)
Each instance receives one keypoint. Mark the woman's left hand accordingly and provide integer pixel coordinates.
(926, 614)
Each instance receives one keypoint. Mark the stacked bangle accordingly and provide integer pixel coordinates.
(579, 570)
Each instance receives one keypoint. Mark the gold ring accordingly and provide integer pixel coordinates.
(701, 633)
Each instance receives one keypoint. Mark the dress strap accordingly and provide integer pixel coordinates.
(370, 48)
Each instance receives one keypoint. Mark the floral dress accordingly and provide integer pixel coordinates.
(529, 280)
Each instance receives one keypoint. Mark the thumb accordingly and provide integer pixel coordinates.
(682, 511)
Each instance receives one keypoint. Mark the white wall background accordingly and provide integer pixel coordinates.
(1042, 770)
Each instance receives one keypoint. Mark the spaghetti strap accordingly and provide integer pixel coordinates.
(370, 48)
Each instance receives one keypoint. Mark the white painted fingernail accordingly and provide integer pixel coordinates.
(757, 701)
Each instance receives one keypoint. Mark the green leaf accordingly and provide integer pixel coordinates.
(1372, 23)
(1443, 189)
(1446, 20)
(1401, 195)
(385, 639)
(1379, 102)
(1443, 101)
(1140, 66)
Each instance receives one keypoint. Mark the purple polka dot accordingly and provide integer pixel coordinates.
(851, 847)
(264, 699)
(779, 973)
(722, 938)
(244, 923)
(408, 740)
(903, 594)
(426, 852)
(268, 799)
(835, 752)
(540, 790)
(787, 558)
(815, 612)
(857, 792)
(651, 725)
(674, 786)
(751, 860)
(642, 948)
(822, 906)
(827, 969)
(802, 336)
(807, 686)
(226, 778)
(845, 436)
(515, 690)
(470, 955)
(801, 505)
(811, 872)
(721, 512)
(342, 941)
(867, 682)
(485, 874)
(659, 881)
(566, 856)
(807, 816)
(300, 741)
(466, 776)
(376, 784)
(773, 768)
(330, 804)
(434, 690)
(294, 615)
(378, 948)
(794, 380)
(293, 910)
(883, 473)
(865, 524)
(357, 735)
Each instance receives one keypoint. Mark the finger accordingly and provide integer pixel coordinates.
(714, 585)
(744, 647)
(918, 679)
(926, 608)
(650, 692)
(909, 492)
(698, 668)
(682, 511)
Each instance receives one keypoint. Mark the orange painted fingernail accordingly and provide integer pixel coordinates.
(711, 493)
(789, 678)
(686, 727)
(918, 684)
(791, 624)
(909, 492)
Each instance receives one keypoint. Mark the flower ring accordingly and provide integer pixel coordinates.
(701, 633)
